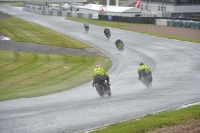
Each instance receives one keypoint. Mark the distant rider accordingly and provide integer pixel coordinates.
(106, 31)
(99, 75)
(145, 68)
(85, 24)
(119, 43)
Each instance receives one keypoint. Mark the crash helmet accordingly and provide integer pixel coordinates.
(141, 63)
(118, 40)
(98, 65)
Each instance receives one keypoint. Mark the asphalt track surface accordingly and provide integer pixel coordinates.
(176, 72)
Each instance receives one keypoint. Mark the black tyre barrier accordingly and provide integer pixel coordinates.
(141, 20)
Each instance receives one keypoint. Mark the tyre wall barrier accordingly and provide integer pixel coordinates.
(58, 13)
(184, 23)
(141, 20)
(167, 21)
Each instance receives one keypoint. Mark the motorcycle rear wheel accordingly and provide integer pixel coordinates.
(99, 90)
(109, 93)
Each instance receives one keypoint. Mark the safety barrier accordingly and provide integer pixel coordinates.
(58, 13)
(161, 22)
(178, 23)
(141, 20)
(183, 22)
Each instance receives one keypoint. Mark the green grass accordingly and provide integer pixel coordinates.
(153, 122)
(24, 31)
(13, 3)
(122, 26)
(30, 74)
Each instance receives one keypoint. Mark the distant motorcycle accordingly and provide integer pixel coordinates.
(87, 28)
(108, 34)
(103, 89)
(120, 47)
(146, 79)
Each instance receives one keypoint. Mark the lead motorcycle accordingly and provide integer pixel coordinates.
(103, 89)
(108, 34)
(146, 79)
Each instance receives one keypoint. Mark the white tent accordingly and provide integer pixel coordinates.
(66, 7)
(109, 10)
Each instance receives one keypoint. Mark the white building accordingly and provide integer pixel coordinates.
(177, 8)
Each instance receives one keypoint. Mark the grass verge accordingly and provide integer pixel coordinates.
(13, 3)
(23, 31)
(30, 74)
(126, 26)
(153, 122)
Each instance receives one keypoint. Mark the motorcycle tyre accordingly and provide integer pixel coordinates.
(146, 82)
(99, 90)
(86, 29)
(108, 91)
(108, 36)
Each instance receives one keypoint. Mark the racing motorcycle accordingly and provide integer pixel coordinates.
(86, 28)
(120, 47)
(103, 89)
(108, 34)
(146, 79)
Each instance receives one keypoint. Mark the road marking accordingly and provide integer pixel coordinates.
(4, 38)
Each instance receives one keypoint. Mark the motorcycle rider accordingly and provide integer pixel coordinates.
(145, 68)
(119, 42)
(106, 31)
(86, 24)
(99, 75)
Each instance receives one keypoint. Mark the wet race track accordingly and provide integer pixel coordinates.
(176, 73)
